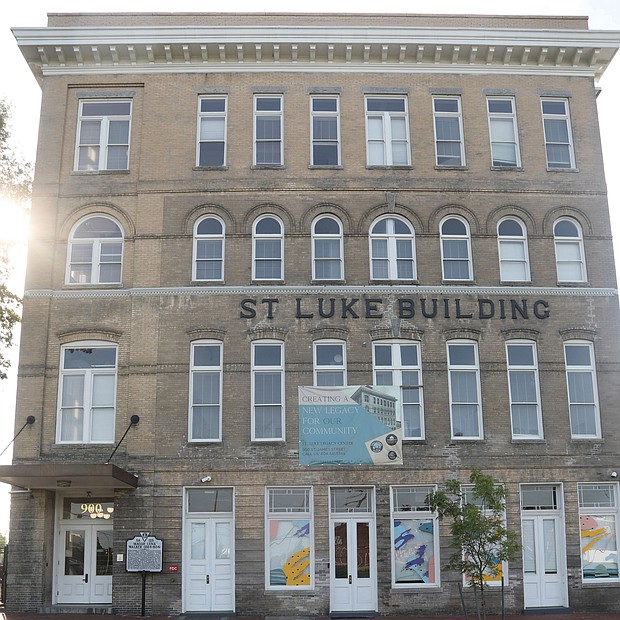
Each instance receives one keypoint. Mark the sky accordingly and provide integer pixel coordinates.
(18, 86)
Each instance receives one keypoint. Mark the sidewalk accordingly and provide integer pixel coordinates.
(578, 615)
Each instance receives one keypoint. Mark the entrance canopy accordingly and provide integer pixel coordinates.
(55, 476)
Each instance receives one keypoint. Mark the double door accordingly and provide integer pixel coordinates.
(544, 561)
(209, 565)
(353, 565)
(84, 563)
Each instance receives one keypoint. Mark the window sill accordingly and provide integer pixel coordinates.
(532, 440)
(574, 284)
(515, 282)
(587, 440)
(562, 169)
(266, 282)
(267, 167)
(267, 442)
(399, 167)
(394, 282)
(97, 172)
(451, 168)
(207, 168)
(449, 282)
(600, 584)
(470, 439)
(93, 285)
(507, 168)
(207, 282)
(338, 282)
(325, 167)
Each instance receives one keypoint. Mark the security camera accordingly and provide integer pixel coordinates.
(614, 474)
(205, 479)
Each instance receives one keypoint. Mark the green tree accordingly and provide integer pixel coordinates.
(15, 191)
(480, 539)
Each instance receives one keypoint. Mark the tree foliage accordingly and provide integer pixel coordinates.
(480, 539)
(15, 190)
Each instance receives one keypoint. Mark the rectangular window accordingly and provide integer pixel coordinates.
(325, 120)
(503, 132)
(525, 414)
(330, 366)
(464, 390)
(268, 130)
(212, 131)
(558, 135)
(205, 417)
(492, 576)
(449, 147)
(267, 391)
(387, 131)
(289, 535)
(415, 538)
(582, 389)
(103, 135)
(399, 363)
(598, 517)
(87, 394)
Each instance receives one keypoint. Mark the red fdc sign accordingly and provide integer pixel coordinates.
(172, 568)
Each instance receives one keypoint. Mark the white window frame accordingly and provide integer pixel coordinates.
(453, 370)
(206, 238)
(335, 237)
(279, 114)
(256, 237)
(268, 369)
(398, 372)
(514, 370)
(576, 242)
(290, 513)
(321, 369)
(447, 238)
(504, 118)
(504, 243)
(318, 141)
(98, 253)
(590, 515)
(211, 369)
(583, 369)
(392, 240)
(103, 144)
(468, 498)
(549, 142)
(458, 114)
(87, 393)
(387, 140)
(419, 511)
(216, 117)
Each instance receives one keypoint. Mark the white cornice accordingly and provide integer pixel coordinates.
(75, 50)
(397, 290)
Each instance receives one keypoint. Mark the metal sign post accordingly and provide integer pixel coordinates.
(144, 555)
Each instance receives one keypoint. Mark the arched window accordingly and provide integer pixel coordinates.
(209, 249)
(569, 257)
(513, 255)
(392, 250)
(327, 263)
(455, 249)
(268, 249)
(95, 253)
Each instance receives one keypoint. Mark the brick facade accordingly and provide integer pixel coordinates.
(157, 310)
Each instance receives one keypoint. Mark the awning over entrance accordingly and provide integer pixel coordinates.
(62, 476)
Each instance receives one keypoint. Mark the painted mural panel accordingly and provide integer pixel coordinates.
(414, 551)
(599, 547)
(289, 552)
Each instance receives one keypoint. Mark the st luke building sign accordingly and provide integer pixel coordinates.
(363, 307)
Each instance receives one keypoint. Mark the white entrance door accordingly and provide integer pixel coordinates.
(208, 568)
(353, 565)
(84, 564)
(544, 565)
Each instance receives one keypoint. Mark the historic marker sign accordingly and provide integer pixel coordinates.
(145, 554)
